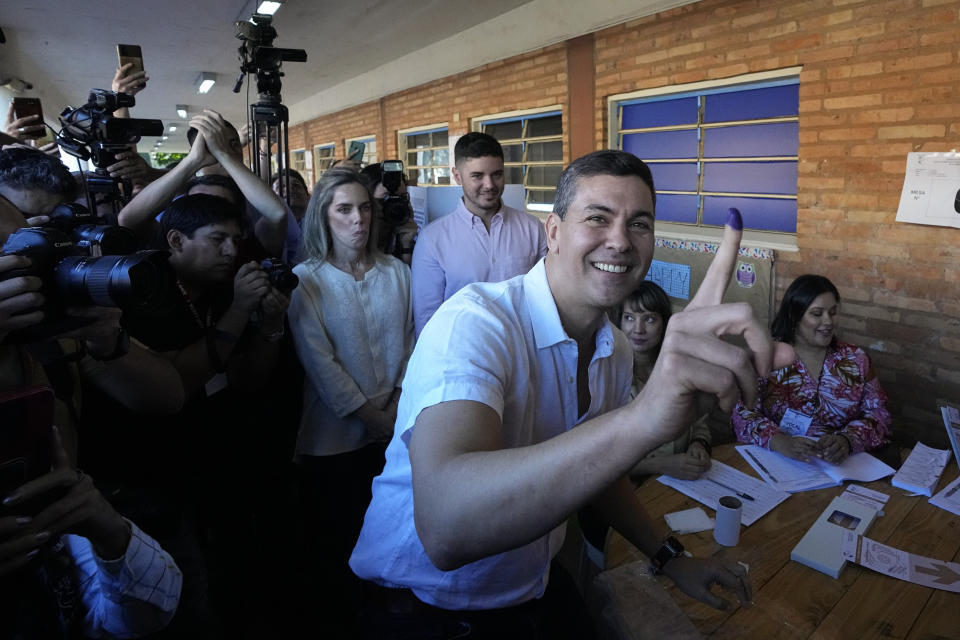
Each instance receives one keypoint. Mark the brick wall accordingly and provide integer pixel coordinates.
(880, 79)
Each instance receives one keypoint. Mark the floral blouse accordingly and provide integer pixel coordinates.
(847, 400)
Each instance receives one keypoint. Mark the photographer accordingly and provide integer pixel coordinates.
(299, 193)
(69, 563)
(217, 147)
(398, 231)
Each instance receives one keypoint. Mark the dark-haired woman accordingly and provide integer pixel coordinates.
(828, 403)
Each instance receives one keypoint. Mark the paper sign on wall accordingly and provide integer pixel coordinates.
(931, 190)
(897, 563)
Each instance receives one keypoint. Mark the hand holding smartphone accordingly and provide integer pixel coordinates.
(133, 78)
(25, 119)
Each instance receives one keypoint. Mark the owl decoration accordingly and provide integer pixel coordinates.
(746, 276)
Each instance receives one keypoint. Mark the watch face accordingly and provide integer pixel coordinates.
(673, 545)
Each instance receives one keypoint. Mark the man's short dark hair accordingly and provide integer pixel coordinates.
(189, 213)
(294, 175)
(217, 180)
(608, 162)
(31, 170)
(476, 145)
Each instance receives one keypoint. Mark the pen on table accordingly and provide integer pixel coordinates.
(747, 496)
(759, 464)
(952, 491)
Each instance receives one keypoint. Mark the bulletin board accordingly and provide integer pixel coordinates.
(680, 265)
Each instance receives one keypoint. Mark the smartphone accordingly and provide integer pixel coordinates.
(130, 53)
(355, 152)
(23, 107)
(26, 436)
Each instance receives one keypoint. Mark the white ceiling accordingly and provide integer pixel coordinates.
(64, 48)
(357, 50)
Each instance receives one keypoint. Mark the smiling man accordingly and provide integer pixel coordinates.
(515, 413)
(483, 240)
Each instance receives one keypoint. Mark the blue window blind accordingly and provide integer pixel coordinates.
(718, 148)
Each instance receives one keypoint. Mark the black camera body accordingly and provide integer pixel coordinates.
(82, 226)
(91, 131)
(73, 277)
(281, 275)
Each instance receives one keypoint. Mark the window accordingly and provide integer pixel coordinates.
(426, 155)
(369, 152)
(718, 146)
(323, 157)
(532, 153)
(302, 164)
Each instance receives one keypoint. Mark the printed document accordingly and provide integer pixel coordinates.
(721, 480)
(921, 471)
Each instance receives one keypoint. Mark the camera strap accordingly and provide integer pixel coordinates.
(193, 310)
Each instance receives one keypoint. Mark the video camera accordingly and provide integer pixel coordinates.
(75, 273)
(92, 132)
(258, 55)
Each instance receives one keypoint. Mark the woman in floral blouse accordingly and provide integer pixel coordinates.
(828, 403)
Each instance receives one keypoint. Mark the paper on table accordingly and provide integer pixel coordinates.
(689, 521)
(921, 471)
(723, 480)
(897, 563)
(949, 498)
(787, 474)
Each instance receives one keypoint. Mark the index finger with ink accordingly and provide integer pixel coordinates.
(721, 268)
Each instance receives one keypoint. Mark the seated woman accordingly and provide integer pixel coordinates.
(352, 325)
(644, 319)
(828, 403)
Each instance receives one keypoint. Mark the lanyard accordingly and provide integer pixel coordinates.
(193, 309)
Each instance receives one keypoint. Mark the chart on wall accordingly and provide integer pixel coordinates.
(931, 190)
(680, 265)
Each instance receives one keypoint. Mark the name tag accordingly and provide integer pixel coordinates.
(215, 384)
(795, 423)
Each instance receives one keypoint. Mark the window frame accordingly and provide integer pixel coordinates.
(525, 115)
(783, 240)
(403, 149)
(307, 172)
(318, 160)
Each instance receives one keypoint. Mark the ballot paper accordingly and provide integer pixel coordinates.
(949, 498)
(921, 471)
(723, 480)
(689, 521)
(787, 474)
(897, 563)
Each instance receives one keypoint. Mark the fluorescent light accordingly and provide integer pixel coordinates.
(164, 137)
(182, 110)
(268, 7)
(205, 81)
(172, 128)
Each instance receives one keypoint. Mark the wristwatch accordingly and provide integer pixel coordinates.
(671, 549)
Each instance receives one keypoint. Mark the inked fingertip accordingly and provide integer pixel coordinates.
(734, 219)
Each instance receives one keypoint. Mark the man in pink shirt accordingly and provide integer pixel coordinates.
(483, 240)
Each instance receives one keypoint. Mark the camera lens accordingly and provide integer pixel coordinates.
(142, 280)
(113, 240)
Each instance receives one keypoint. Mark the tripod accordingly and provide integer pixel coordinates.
(269, 120)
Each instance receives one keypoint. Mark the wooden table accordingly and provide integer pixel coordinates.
(794, 601)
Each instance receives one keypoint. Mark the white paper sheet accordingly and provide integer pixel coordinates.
(931, 190)
(723, 480)
(689, 521)
(921, 470)
(897, 563)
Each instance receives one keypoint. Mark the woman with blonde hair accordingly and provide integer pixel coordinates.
(352, 325)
